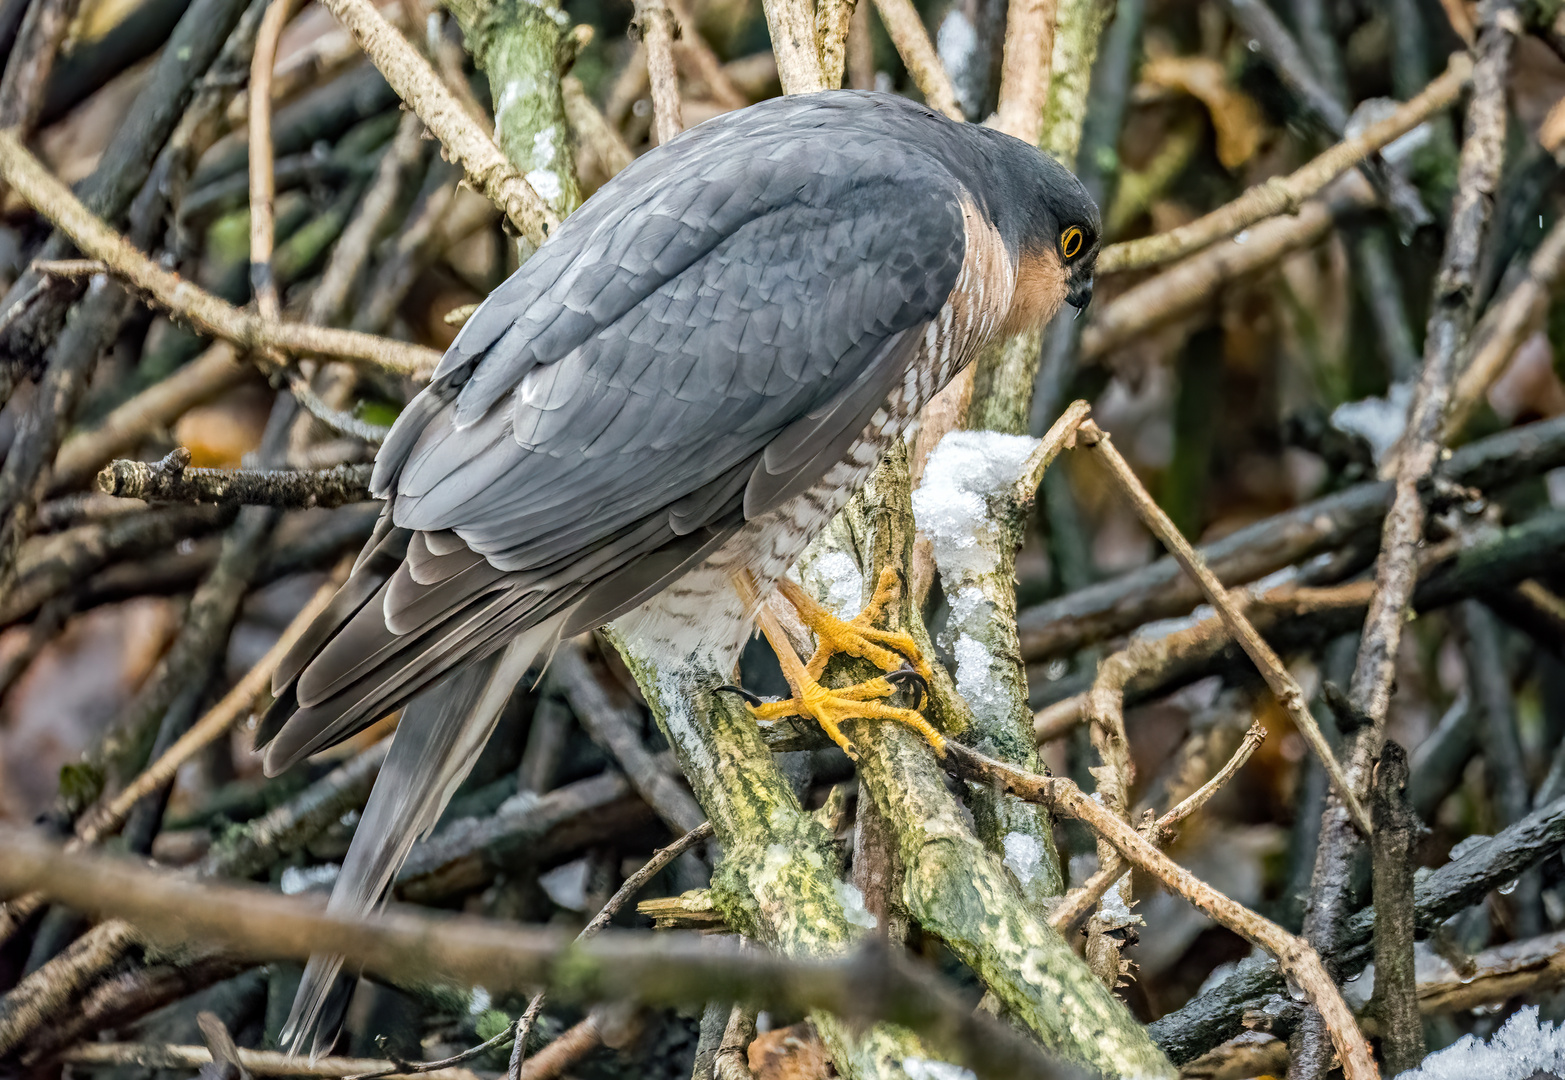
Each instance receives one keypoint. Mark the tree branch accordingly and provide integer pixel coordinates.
(208, 314)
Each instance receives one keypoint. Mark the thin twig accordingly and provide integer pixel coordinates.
(1294, 955)
(1516, 318)
(207, 313)
(1075, 905)
(906, 29)
(417, 84)
(1285, 194)
(1283, 685)
(523, 1025)
(263, 182)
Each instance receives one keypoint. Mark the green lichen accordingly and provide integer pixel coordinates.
(517, 44)
(779, 880)
(953, 885)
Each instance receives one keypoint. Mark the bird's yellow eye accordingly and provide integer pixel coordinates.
(1070, 242)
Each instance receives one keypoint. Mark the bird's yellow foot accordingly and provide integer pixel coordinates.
(888, 650)
(830, 708)
(895, 653)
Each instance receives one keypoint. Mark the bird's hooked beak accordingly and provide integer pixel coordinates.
(1080, 294)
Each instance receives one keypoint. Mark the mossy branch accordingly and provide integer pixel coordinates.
(954, 886)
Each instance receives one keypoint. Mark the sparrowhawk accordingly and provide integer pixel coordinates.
(649, 421)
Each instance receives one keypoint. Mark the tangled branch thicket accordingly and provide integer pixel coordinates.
(1290, 798)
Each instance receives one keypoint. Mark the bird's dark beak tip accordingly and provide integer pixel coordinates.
(1080, 296)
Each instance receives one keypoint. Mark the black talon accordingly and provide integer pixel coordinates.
(750, 699)
(908, 677)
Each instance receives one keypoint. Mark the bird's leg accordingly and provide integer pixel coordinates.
(893, 652)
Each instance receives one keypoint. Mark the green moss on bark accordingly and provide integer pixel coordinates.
(517, 44)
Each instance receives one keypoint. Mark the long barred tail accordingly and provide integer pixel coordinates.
(440, 735)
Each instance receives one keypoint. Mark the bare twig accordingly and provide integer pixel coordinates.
(263, 183)
(793, 40)
(1074, 907)
(1293, 954)
(205, 312)
(656, 968)
(170, 481)
(1285, 195)
(1282, 684)
(1025, 68)
(1203, 795)
(906, 28)
(658, 30)
(417, 84)
(1518, 316)
(31, 61)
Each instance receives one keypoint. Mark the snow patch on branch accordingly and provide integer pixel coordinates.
(967, 470)
(926, 1069)
(1023, 856)
(968, 474)
(1519, 1050)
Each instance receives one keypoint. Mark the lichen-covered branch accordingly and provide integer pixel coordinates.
(170, 480)
(792, 26)
(778, 881)
(972, 505)
(517, 43)
(416, 83)
(953, 885)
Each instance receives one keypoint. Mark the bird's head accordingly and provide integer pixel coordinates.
(1050, 226)
(1064, 225)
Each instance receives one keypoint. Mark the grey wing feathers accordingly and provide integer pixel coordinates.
(697, 344)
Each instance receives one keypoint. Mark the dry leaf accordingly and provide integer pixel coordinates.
(1235, 117)
(791, 1053)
